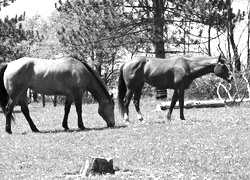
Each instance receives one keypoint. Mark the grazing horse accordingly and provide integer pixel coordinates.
(67, 76)
(173, 73)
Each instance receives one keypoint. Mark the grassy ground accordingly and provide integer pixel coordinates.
(213, 143)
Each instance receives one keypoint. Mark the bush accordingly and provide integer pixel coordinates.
(203, 88)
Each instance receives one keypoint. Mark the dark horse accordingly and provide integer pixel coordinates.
(173, 73)
(67, 76)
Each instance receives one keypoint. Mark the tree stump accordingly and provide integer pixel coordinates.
(95, 166)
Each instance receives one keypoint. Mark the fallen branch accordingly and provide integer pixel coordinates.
(227, 91)
(247, 82)
(201, 104)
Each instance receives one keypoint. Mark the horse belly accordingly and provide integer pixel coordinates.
(160, 82)
(50, 87)
(159, 79)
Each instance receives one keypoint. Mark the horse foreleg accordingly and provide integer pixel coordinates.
(67, 107)
(181, 103)
(23, 101)
(78, 104)
(172, 105)
(126, 101)
(25, 111)
(136, 101)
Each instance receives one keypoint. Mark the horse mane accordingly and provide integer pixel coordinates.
(97, 77)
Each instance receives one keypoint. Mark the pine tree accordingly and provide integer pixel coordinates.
(94, 30)
(11, 35)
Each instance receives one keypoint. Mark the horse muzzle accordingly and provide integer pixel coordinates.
(111, 124)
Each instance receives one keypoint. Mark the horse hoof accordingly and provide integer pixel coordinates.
(182, 118)
(127, 123)
(36, 131)
(141, 119)
(66, 128)
(142, 122)
(8, 131)
(81, 127)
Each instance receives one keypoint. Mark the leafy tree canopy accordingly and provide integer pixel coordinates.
(95, 30)
(11, 35)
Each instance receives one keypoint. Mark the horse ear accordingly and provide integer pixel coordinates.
(221, 59)
(221, 53)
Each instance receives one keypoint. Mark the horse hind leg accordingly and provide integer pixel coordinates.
(78, 104)
(25, 110)
(126, 101)
(172, 105)
(136, 101)
(181, 103)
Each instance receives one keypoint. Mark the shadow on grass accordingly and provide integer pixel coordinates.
(75, 130)
(157, 122)
(15, 111)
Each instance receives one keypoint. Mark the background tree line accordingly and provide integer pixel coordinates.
(105, 33)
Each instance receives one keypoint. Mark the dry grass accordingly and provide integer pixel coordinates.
(213, 143)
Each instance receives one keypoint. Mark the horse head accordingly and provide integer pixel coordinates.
(222, 69)
(106, 111)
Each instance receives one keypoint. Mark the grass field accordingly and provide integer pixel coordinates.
(213, 143)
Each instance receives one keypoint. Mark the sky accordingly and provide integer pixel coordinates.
(44, 8)
(31, 7)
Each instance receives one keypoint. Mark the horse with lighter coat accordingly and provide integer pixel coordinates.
(67, 76)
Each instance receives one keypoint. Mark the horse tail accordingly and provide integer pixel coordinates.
(122, 89)
(3, 93)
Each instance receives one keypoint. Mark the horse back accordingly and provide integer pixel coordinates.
(158, 72)
(61, 76)
(50, 77)
(165, 73)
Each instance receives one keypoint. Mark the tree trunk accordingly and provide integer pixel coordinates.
(231, 27)
(158, 35)
(159, 28)
(209, 40)
(248, 40)
(236, 56)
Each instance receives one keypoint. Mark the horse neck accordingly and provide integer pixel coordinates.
(200, 67)
(98, 91)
